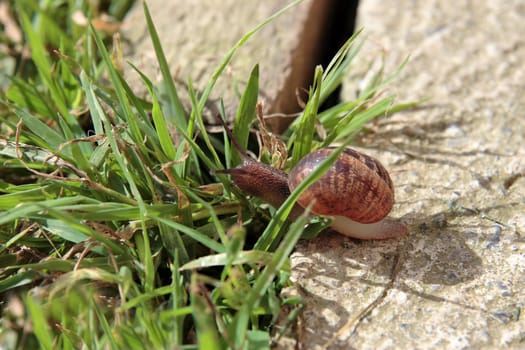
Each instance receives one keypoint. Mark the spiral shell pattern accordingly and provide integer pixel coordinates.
(356, 186)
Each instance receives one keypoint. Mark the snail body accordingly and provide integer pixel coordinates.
(357, 191)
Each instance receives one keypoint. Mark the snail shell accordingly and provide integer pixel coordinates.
(356, 186)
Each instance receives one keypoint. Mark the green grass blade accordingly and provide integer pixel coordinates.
(175, 112)
(306, 125)
(179, 300)
(23, 94)
(335, 71)
(44, 136)
(246, 112)
(31, 194)
(350, 129)
(106, 327)
(18, 280)
(265, 279)
(46, 26)
(244, 257)
(39, 56)
(162, 126)
(122, 98)
(39, 323)
(70, 126)
(194, 234)
(207, 333)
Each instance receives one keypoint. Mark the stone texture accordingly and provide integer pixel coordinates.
(197, 34)
(458, 280)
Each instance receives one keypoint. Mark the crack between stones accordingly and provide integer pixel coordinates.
(354, 323)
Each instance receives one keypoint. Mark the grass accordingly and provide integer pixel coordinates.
(115, 235)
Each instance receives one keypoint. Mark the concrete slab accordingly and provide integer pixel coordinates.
(196, 35)
(458, 280)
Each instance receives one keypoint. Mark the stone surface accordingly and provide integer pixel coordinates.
(458, 280)
(196, 35)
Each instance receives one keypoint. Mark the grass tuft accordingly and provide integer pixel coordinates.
(113, 232)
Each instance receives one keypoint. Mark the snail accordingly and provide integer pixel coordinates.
(357, 190)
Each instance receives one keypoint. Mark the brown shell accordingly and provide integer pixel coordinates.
(356, 186)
